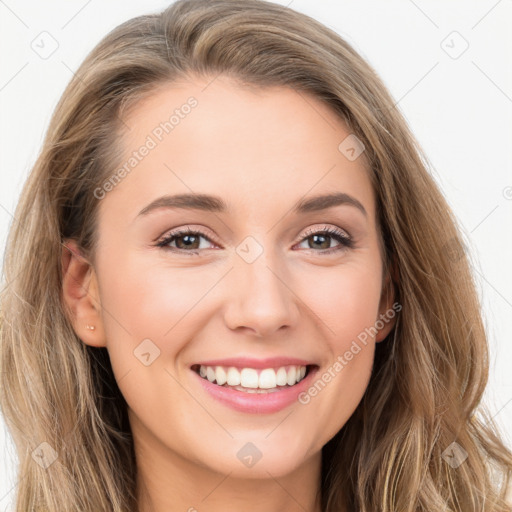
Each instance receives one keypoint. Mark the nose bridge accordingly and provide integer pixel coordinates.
(260, 297)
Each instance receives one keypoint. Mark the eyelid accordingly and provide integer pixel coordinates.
(190, 228)
(326, 229)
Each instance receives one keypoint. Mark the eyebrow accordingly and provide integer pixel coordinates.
(210, 203)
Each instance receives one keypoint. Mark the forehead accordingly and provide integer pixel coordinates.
(253, 146)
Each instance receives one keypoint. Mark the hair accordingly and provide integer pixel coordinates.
(429, 374)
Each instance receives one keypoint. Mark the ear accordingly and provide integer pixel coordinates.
(388, 310)
(80, 295)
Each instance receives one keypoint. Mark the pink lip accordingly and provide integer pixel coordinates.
(247, 362)
(257, 403)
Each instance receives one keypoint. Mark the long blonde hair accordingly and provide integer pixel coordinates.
(59, 396)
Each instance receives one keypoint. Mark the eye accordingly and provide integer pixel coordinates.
(186, 240)
(321, 239)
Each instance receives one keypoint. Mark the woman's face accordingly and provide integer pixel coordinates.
(251, 286)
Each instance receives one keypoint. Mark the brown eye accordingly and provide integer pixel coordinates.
(322, 240)
(186, 240)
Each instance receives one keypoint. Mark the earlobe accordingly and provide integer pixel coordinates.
(80, 296)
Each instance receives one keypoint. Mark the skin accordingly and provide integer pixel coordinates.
(261, 151)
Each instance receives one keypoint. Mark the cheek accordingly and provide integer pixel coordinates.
(150, 300)
(353, 321)
(344, 300)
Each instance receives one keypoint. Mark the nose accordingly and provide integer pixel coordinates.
(260, 298)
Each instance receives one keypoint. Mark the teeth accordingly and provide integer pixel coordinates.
(249, 378)
(233, 376)
(252, 380)
(281, 376)
(267, 379)
(220, 375)
(210, 373)
(292, 376)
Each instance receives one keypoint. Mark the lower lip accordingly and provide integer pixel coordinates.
(258, 403)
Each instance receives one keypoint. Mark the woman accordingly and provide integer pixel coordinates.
(173, 338)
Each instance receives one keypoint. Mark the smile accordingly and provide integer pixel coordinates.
(257, 386)
(253, 380)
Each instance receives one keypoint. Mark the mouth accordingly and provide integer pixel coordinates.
(254, 380)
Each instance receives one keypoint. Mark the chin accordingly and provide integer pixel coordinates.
(259, 459)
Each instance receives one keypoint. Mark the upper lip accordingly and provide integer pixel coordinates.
(248, 362)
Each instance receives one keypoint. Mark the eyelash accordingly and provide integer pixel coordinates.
(345, 241)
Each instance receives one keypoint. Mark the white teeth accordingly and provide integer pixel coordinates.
(233, 376)
(281, 376)
(220, 375)
(267, 379)
(252, 379)
(249, 378)
(210, 373)
(292, 376)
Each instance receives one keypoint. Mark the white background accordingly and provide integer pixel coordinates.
(458, 108)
